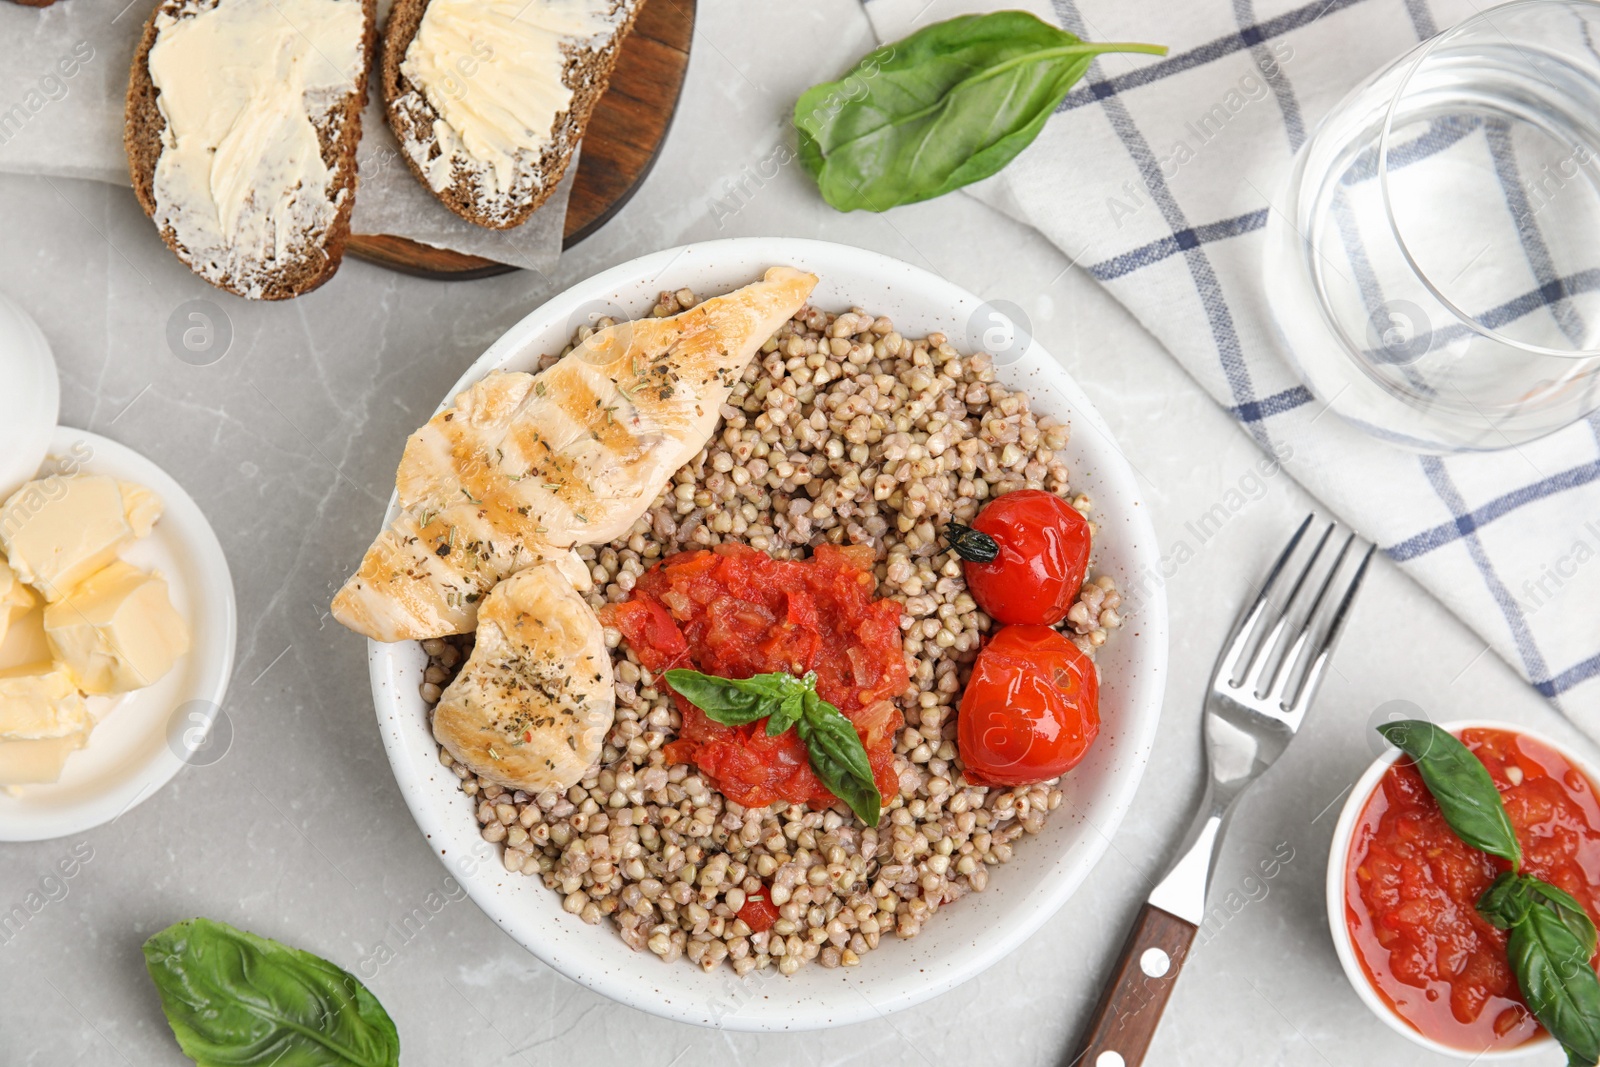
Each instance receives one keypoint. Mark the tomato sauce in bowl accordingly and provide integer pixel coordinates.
(1411, 887)
(734, 612)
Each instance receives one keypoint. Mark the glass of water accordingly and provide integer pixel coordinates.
(1435, 265)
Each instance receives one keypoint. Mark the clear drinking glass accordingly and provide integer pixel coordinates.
(1435, 263)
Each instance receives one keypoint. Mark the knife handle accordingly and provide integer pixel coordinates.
(1131, 1004)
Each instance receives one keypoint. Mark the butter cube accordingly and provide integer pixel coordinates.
(37, 762)
(57, 531)
(116, 631)
(15, 600)
(40, 700)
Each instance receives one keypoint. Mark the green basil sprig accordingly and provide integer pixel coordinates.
(947, 106)
(1506, 902)
(1550, 938)
(1554, 975)
(1460, 783)
(837, 755)
(737, 701)
(237, 1000)
(1549, 943)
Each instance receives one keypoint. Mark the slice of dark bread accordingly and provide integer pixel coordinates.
(338, 133)
(470, 195)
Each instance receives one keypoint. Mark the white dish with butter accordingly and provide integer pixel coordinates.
(141, 738)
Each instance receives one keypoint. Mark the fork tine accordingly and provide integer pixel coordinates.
(1263, 655)
(1313, 677)
(1246, 628)
(1285, 671)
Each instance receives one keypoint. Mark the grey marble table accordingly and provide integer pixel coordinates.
(289, 444)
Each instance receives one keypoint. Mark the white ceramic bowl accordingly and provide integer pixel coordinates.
(1338, 861)
(30, 396)
(968, 936)
(145, 737)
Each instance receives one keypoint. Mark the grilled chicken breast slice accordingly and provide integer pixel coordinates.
(524, 464)
(531, 707)
(409, 588)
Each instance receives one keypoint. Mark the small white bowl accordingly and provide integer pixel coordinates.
(30, 396)
(144, 737)
(971, 934)
(1338, 861)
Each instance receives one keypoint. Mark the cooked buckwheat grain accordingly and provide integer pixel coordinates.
(843, 431)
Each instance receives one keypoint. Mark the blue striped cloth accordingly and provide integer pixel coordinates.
(1155, 176)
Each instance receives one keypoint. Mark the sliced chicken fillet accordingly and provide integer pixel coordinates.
(533, 703)
(522, 464)
(425, 589)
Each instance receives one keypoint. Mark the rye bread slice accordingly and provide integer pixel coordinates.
(587, 73)
(338, 133)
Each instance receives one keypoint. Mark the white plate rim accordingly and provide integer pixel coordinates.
(867, 995)
(182, 520)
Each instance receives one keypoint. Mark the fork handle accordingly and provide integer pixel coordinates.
(1131, 1004)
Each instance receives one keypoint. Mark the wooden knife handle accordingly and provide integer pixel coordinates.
(1131, 1004)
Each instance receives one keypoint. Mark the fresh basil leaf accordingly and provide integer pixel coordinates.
(1568, 910)
(788, 713)
(839, 758)
(1551, 964)
(1460, 784)
(810, 153)
(237, 1000)
(947, 106)
(1506, 902)
(731, 701)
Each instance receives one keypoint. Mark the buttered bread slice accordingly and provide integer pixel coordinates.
(242, 123)
(489, 98)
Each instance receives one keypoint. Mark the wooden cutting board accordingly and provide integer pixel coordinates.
(626, 130)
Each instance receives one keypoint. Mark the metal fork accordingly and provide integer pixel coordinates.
(1248, 724)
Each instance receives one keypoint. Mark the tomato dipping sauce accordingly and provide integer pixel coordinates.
(1411, 887)
(735, 612)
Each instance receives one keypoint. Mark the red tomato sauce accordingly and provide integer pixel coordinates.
(1411, 887)
(758, 912)
(736, 612)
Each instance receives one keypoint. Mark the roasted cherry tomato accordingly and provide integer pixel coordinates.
(1026, 554)
(1031, 710)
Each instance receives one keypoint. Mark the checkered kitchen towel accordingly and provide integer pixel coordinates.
(1509, 541)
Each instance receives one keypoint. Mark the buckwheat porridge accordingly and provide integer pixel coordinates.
(840, 431)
